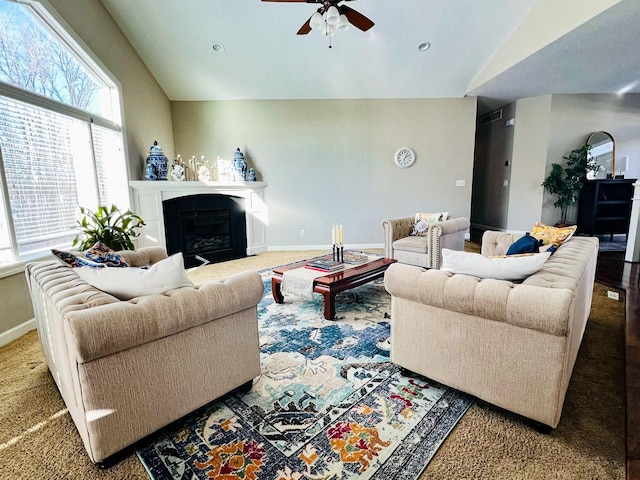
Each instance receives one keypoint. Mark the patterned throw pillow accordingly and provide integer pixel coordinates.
(422, 221)
(98, 256)
(552, 235)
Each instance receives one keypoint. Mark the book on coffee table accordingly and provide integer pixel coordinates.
(354, 258)
(324, 264)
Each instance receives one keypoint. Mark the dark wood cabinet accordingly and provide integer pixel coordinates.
(605, 206)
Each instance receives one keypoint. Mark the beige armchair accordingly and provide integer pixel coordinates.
(424, 251)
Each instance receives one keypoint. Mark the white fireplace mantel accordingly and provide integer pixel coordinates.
(148, 197)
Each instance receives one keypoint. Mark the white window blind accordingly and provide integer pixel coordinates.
(107, 148)
(60, 134)
(49, 170)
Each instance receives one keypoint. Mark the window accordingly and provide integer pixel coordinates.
(60, 136)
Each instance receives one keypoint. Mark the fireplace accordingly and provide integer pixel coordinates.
(205, 228)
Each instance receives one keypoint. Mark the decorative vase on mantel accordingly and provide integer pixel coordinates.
(157, 163)
(239, 166)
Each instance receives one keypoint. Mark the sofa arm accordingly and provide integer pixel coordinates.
(453, 225)
(497, 243)
(543, 309)
(395, 228)
(143, 256)
(107, 329)
(446, 234)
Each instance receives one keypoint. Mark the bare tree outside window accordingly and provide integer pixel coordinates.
(30, 58)
(58, 155)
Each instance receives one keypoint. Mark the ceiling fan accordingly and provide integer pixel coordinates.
(331, 16)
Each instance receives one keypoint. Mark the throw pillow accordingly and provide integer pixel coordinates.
(512, 267)
(127, 283)
(98, 256)
(526, 244)
(552, 235)
(422, 221)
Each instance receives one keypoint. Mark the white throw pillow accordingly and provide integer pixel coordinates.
(511, 267)
(127, 283)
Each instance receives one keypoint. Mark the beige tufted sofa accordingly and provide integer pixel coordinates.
(423, 251)
(511, 344)
(127, 368)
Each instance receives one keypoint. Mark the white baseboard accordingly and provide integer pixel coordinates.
(17, 332)
(323, 247)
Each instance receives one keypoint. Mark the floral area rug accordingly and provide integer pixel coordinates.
(328, 405)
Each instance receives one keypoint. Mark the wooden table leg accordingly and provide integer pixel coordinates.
(275, 289)
(329, 304)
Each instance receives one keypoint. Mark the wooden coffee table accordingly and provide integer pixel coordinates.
(333, 283)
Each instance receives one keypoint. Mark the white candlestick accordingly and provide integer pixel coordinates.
(333, 234)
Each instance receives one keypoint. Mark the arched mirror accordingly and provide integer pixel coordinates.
(603, 151)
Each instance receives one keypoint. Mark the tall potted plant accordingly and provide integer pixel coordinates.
(566, 182)
(109, 226)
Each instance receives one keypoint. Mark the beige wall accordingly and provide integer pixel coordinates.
(549, 127)
(332, 160)
(528, 163)
(147, 111)
(147, 117)
(574, 117)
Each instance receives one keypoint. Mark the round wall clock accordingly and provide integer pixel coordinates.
(404, 157)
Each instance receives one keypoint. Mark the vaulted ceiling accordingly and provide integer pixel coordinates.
(263, 58)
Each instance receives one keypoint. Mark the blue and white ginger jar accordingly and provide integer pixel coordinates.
(158, 162)
(240, 166)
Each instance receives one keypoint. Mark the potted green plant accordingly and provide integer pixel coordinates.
(566, 182)
(109, 226)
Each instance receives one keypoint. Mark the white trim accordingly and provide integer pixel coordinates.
(17, 267)
(17, 332)
(362, 246)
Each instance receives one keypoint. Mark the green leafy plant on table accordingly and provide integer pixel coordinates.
(109, 226)
(566, 182)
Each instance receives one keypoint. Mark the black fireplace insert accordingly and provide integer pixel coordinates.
(206, 228)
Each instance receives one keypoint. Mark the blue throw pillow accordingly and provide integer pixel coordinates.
(526, 244)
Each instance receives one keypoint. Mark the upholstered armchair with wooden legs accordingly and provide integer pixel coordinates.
(423, 251)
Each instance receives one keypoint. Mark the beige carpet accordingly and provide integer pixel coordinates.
(38, 439)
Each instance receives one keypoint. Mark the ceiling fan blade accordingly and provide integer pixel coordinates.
(306, 28)
(356, 19)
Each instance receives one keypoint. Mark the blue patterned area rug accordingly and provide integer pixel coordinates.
(328, 405)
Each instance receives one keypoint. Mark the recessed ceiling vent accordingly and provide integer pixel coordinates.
(491, 117)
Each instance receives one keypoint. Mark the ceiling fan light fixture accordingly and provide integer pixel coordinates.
(343, 23)
(328, 29)
(316, 21)
(333, 15)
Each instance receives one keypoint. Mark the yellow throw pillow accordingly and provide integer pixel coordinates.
(552, 235)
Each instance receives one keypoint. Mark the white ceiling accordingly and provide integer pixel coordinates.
(265, 59)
